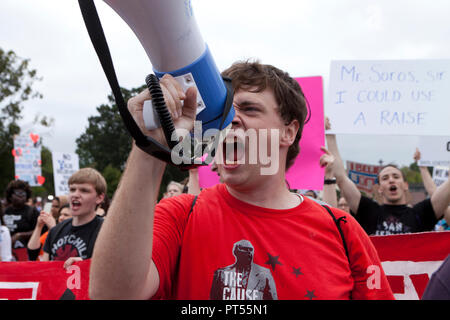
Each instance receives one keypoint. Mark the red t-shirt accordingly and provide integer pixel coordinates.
(229, 249)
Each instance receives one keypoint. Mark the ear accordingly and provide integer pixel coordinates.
(380, 190)
(100, 198)
(289, 133)
(405, 185)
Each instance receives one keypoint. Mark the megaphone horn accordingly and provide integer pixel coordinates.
(171, 38)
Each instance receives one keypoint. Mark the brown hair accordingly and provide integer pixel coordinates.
(288, 94)
(89, 175)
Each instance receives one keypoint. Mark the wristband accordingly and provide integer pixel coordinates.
(329, 181)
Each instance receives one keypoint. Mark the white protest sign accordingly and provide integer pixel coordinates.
(434, 151)
(64, 165)
(395, 97)
(440, 175)
(27, 159)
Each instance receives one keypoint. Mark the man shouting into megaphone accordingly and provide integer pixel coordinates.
(184, 247)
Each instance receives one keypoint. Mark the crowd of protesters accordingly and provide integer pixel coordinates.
(26, 224)
(44, 231)
(34, 227)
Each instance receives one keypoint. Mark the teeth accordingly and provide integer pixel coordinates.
(234, 151)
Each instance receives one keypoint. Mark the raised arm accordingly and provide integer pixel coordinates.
(329, 190)
(428, 182)
(347, 187)
(122, 266)
(441, 209)
(34, 243)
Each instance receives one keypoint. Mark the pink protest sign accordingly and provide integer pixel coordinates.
(206, 177)
(305, 173)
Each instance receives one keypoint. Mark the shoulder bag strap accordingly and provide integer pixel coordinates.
(337, 222)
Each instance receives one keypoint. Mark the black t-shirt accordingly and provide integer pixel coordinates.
(20, 220)
(394, 219)
(65, 240)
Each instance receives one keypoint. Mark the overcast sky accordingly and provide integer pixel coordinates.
(301, 37)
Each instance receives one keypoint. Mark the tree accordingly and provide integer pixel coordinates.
(112, 176)
(106, 143)
(412, 174)
(16, 80)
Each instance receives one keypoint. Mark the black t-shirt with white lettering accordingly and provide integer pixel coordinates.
(395, 219)
(65, 240)
(20, 220)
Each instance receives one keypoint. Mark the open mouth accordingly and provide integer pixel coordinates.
(75, 204)
(393, 188)
(234, 152)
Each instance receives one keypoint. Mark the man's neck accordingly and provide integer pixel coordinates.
(273, 194)
(400, 202)
(84, 219)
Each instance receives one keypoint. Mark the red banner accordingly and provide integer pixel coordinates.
(44, 280)
(408, 261)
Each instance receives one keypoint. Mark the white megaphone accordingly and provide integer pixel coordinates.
(171, 38)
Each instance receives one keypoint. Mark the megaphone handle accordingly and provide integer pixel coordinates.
(160, 107)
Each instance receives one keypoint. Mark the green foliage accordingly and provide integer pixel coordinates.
(16, 79)
(106, 141)
(47, 172)
(112, 176)
(412, 174)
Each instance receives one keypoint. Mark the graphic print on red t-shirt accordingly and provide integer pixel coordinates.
(243, 280)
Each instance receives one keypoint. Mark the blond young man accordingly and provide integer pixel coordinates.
(73, 239)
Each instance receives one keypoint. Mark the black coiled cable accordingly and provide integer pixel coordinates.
(161, 109)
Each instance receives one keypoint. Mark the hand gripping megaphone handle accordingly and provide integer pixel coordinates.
(150, 115)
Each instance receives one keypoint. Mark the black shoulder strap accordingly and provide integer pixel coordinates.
(192, 206)
(338, 225)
